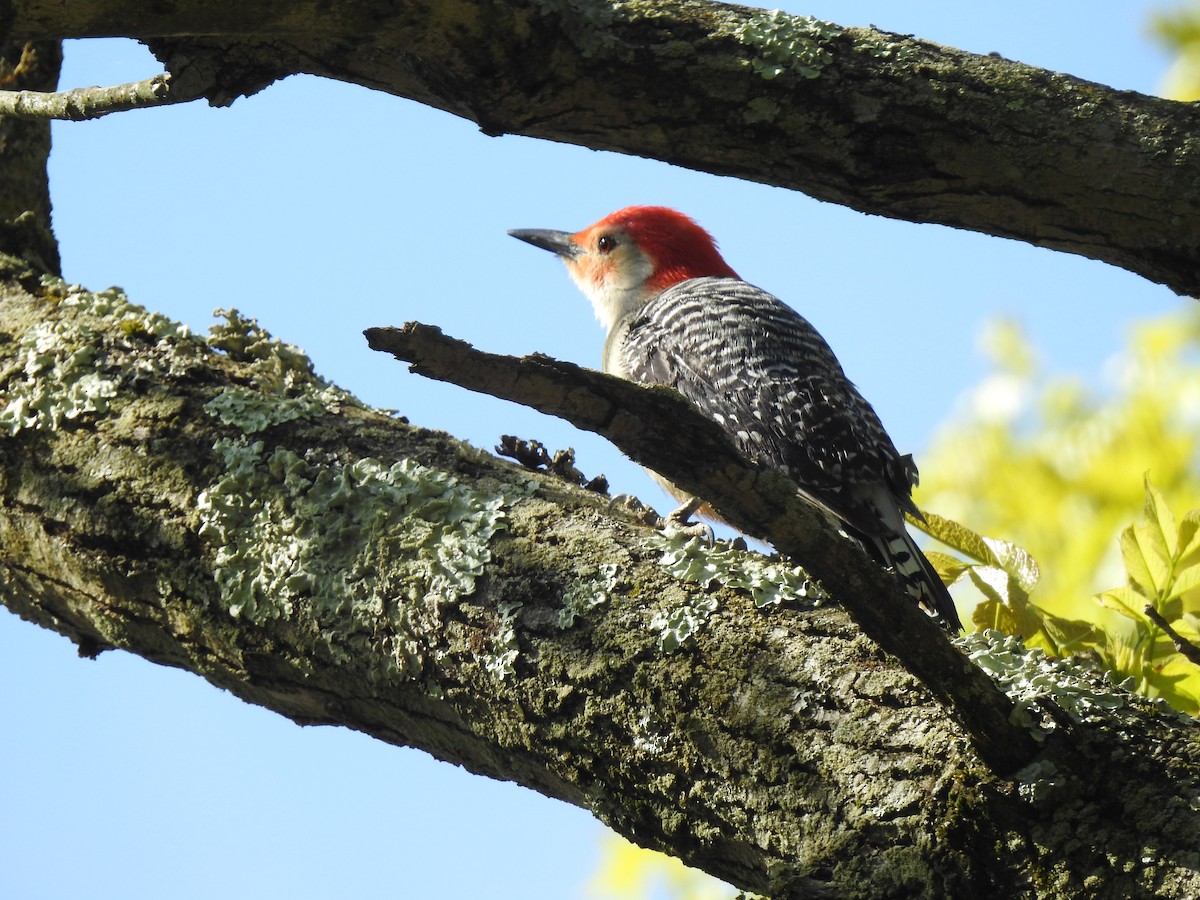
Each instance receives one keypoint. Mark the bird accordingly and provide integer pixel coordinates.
(677, 314)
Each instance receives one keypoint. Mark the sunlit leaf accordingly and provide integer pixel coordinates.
(1178, 30)
(1007, 607)
(1005, 555)
(995, 615)
(1169, 609)
(1065, 477)
(1177, 681)
(1187, 580)
(992, 582)
(627, 871)
(955, 536)
(1189, 622)
(1158, 516)
(1016, 561)
(1125, 601)
(1155, 554)
(1066, 636)
(949, 568)
(1188, 548)
(1137, 567)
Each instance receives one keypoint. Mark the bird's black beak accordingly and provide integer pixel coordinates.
(559, 242)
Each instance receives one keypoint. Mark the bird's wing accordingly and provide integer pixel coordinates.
(763, 372)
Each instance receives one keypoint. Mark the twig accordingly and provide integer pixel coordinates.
(79, 104)
(659, 429)
(533, 454)
(1189, 650)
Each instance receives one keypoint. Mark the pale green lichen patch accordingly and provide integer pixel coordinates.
(1033, 679)
(760, 109)
(63, 373)
(587, 594)
(768, 581)
(286, 386)
(253, 411)
(1039, 781)
(113, 305)
(781, 42)
(246, 341)
(674, 626)
(500, 662)
(881, 48)
(366, 550)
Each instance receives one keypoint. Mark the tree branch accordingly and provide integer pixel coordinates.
(212, 505)
(25, 226)
(1183, 646)
(78, 104)
(661, 430)
(876, 121)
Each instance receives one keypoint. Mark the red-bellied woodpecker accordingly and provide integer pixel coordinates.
(678, 315)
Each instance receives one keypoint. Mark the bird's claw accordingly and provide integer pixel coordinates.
(680, 521)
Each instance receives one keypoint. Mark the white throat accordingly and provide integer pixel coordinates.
(619, 293)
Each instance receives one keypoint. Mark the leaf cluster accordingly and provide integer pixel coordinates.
(1050, 464)
(1162, 563)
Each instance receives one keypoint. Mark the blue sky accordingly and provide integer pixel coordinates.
(323, 209)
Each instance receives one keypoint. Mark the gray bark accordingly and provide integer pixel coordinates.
(212, 505)
(879, 122)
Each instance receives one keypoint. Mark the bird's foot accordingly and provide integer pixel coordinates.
(676, 521)
(680, 520)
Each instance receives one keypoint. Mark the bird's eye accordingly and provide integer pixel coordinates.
(606, 243)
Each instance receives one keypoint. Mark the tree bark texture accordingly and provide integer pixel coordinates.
(879, 122)
(24, 146)
(212, 505)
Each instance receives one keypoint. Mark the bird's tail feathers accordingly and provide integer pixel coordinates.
(900, 553)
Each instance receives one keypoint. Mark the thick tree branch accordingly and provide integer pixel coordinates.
(879, 122)
(25, 229)
(211, 505)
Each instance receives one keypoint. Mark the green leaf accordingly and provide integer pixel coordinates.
(1171, 683)
(994, 616)
(1067, 636)
(949, 568)
(1187, 580)
(1162, 523)
(993, 552)
(993, 582)
(1016, 561)
(1156, 554)
(1188, 621)
(1126, 601)
(1187, 550)
(1136, 565)
(1007, 607)
(957, 537)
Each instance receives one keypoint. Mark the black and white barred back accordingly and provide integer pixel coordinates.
(763, 372)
